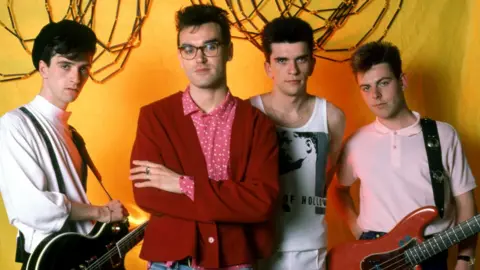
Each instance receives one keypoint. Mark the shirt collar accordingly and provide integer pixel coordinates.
(411, 130)
(50, 111)
(189, 106)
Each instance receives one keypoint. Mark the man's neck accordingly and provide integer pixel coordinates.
(404, 118)
(287, 104)
(208, 99)
(50, 98)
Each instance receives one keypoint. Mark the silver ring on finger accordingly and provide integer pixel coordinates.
(147, 170)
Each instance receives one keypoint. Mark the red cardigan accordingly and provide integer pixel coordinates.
(229, 222)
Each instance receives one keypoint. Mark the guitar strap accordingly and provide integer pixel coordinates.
(21, 255)
(434, 156)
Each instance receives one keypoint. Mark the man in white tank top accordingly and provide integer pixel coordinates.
(389, 159)
(310, 132)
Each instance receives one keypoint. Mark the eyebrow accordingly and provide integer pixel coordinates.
(205, 42)
(286, 58)
(62, 62)
(302, 56)
(381, 79)
(211, 41)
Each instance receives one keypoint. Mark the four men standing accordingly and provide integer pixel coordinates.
(231, 183)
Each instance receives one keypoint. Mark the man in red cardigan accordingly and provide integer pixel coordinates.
(205, 163)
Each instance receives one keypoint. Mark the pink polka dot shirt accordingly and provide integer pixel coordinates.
(214, 130)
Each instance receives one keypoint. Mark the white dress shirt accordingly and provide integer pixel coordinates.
(28, 184)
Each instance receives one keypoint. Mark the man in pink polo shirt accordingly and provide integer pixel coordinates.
(389, 158)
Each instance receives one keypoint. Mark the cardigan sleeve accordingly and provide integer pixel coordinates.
(254, 198)
(250, 200)
(147, 146)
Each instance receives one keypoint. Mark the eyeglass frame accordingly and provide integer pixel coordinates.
(201, 48)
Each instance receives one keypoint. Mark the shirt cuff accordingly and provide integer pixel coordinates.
(187, 185)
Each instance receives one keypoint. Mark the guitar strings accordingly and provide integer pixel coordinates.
(392, 264)
(112, 251)
(389, 262)
(454, 231)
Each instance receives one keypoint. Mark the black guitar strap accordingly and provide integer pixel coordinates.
(434, 156)
(21, 255)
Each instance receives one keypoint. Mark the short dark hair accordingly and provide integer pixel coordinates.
(196, 15)
(66, 38)
(286, 29)
(374, 53)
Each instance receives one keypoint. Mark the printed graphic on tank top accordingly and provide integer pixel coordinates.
(303, 156)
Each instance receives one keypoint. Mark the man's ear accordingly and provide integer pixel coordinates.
(180, 59)
(309, 144)
(230, 51)
(268, 69)
(43, 69)
(312, 65)
(403, 80)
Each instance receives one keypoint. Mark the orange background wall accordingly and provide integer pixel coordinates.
(440, 42)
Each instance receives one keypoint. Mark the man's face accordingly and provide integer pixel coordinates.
(205, 72)
(382, 91)
(289, 67)
(294, 147)
(63, 79)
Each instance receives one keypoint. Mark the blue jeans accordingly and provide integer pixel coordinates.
(176, 266)
(437, 262)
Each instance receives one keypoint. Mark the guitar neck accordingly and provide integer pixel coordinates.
(131, 239)
(443, 241)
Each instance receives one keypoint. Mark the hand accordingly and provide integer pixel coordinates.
(463, 265)
(113, 211)
(155, 175)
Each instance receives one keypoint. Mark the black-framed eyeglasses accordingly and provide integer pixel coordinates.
(210, 49)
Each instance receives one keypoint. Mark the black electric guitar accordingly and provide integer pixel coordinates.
(103, 248)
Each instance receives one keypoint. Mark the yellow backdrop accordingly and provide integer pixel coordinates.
(440, 42)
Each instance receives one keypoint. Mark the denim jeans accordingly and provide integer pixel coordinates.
(437, 262)
(176, 266)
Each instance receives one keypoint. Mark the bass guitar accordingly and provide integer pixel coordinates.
(402, 248)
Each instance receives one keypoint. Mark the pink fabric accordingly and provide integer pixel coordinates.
(186, 185)
(392, 167)
(214, 131)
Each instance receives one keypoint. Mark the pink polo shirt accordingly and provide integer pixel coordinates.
(392, 167)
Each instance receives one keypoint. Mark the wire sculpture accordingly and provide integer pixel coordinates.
(84, 11)
(249, 17)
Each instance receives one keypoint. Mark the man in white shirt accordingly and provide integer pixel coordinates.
(310, 131)
(37, 203)
(389, 158)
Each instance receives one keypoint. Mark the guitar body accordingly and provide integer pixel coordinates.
(385, 252)
(72, 251)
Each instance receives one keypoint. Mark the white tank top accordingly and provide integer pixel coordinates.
(303, 155)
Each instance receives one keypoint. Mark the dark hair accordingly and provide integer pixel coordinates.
(67, 38)
(313, 136)
(286, 29)
(374, 53)
(196, 15)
